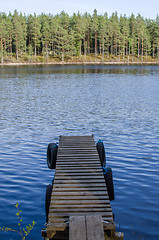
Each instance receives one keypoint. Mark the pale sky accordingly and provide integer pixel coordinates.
(147, 8)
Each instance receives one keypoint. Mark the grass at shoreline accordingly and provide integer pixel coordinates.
(80, 60)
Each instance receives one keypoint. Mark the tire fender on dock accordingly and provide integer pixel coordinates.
(48, 199)
(101, 152)
(108, 176)
(52, 155)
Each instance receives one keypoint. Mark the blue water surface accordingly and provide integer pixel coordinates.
(118, 104)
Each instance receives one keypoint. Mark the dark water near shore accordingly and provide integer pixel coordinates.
(118, 104)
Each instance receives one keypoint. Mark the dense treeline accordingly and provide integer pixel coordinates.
(78, 35)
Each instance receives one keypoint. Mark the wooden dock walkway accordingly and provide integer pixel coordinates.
(79, 200)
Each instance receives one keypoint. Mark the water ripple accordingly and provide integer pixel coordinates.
(119, 105)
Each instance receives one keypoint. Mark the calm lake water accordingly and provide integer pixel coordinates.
(118, 104)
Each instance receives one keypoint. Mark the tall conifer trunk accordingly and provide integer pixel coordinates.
(35, 41)
(142, 50)
(17, 48)
(138, 47)
(95, 43)
(158, 47)
(85, 43)
(132, 51)
(103, 50)
(88, 42)
(1, 51)
(80, 47)
(11, 46)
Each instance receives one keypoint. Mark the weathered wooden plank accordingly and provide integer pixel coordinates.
(84, 197)
(57, 226)
(67, 142)
(81, 206)
(78, 161)
(92, 193)
(63, 137)
(79, 210)
(79, 189)
(65, 219)
(107, 221)
(80, 202)
(78, 148)
(80, 170)
(89, 140)
(59, 219)
(80, 153)
(76, 139)
(89, 137)
(76, 179)
(80, 214)
(77, 144)
(77, 228)
(77, 151)
(80, 141)
(78, 156)
(74, 162)
(93, 208)
(80, 164)
(63, 179)
(91, 177)
(107, 218)
(94, 228)
(79, 185)
(77, 173)
(68, 168)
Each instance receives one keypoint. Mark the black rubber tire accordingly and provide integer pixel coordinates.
(48, 199)
(52, 155)
(101, 153)
(109, 183)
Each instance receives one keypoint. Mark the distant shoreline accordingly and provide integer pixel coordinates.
(81, 63)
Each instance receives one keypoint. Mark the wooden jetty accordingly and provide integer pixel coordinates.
(80, 208)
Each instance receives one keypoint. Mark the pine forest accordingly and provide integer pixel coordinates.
(80, 37)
